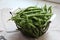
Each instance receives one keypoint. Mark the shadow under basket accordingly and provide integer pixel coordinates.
(34, 32)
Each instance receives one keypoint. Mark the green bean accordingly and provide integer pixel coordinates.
(39, 15)
(49, 9)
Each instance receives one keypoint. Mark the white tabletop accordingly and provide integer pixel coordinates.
(53, 32)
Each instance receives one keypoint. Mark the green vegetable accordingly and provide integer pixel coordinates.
(33, 21)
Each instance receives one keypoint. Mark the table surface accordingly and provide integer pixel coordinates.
(53, 32)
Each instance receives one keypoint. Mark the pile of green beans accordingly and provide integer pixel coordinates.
(33, 21)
